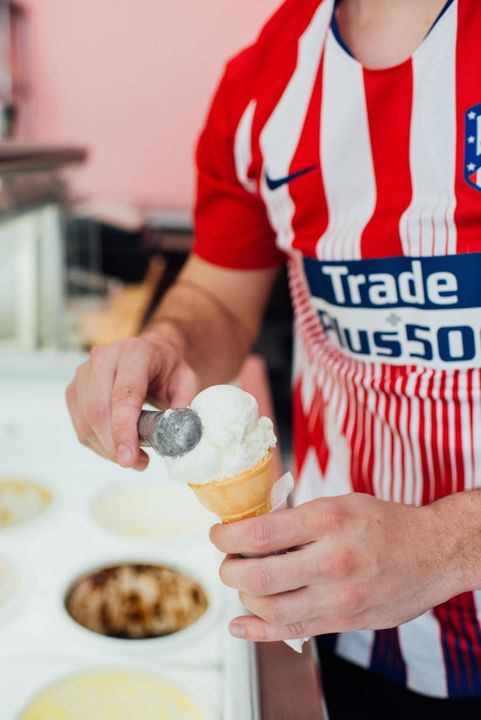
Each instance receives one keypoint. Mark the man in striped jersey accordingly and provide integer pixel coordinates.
(347, 139)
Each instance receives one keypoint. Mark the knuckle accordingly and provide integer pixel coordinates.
(348, 624)
(259, 580)
(121, 427)
(324, 516)
(275, 612)
(295, 630)
(132, 345)
(96, 353)
(77, 380)
(349, 601)
(342, 564)
(96, 412)
(223, 574)
(125, 393)
(262, 534)
(262, 633)
(334, 519)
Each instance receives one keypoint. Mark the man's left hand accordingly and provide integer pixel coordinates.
(354, 562)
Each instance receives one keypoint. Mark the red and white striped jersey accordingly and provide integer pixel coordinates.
(369, 182)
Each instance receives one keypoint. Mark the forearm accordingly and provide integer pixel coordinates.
(211, 338)
(458, 521)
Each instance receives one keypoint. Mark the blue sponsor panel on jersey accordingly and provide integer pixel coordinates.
(403, 310)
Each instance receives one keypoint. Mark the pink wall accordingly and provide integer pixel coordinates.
(131, 80)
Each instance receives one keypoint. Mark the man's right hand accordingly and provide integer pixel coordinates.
(106, 396)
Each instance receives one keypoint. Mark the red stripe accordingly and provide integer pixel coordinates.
(389, 98)
(444, 445)
(469, 400)
(410, 400)
(390, 418)
(460, 442)
(398, 434)
(368, 435)
(435, 440)
(355, 432)
(425, 468)
(301, 441)
(318, 439)
(405, 440)
(461, 633)
(467, 606)
(373, 416)
(468, 93)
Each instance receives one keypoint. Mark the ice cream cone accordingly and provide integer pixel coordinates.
(239, 496)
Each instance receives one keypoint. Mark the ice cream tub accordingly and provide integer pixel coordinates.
(22, 501)
(149, 510)
(139, 601)
(16, 581)
(62, 688)
(49, 623)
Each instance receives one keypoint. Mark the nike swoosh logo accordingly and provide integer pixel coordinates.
(279, 182)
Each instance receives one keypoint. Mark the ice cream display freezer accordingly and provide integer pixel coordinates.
(89, 553)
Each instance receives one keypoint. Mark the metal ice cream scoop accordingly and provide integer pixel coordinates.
(171, 433)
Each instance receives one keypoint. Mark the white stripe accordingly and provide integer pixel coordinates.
(356, 646)
(421, 648)
(427, 227)
(310, 485)
(243, 148)
(346, 158)
(280, 136)
(308, 387)
(337, 477)
(350, 401)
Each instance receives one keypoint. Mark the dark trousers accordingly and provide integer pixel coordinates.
(352, 693)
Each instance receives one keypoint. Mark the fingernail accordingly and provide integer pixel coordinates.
(124, 455)
(237, 630)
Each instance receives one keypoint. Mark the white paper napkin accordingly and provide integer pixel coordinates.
(280, 492)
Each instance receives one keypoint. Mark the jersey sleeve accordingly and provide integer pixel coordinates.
(231, 225)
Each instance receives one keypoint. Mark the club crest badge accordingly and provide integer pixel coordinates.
(472, 146)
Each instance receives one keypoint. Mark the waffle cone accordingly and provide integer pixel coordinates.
(239, 496)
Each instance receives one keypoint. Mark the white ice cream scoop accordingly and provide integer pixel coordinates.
(172, 433)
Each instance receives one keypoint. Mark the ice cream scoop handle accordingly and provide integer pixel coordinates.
(146, 426)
